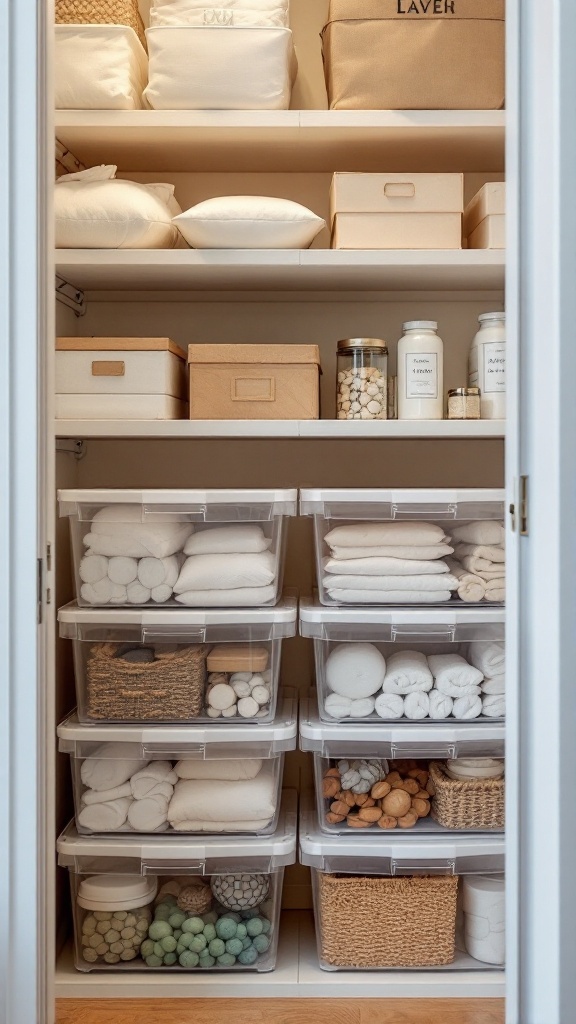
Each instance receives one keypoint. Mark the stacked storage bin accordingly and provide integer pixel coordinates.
(180, 729)
(406, 834)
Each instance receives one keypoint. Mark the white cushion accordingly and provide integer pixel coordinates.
(94, 210)
(249, 222)
(99, 67)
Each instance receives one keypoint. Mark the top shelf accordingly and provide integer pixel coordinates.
(286, 140)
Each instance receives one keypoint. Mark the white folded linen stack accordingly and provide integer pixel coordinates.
(223, 796)
(124, 792)
(480, 560)
(388, 563)
(229, 566)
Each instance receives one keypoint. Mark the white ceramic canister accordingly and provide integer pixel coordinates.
(487, 365)
(113, 914)
(420, 372)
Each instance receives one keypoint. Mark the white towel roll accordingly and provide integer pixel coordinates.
(106, 817)
(441, 705)
(151, 572)
(92, 796)
(97, 593)
(119, 594)
(407, 672)
(453, 669)
(494, 705)
(161, 594)
(390, 706)
(467, 707)
(355, 670)
(137, 594)
(495, 686)
(93, 568)
(362, 708)
(122, 570)
(337, 706)
(417, 706)
(489, 656)
(111, 764)
(148, 814)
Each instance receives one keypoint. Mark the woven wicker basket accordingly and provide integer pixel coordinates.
(387, 922)
(169, 689)
(101, 12)
(466, 804)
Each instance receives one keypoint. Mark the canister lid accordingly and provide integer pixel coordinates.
(486, 317)
(425, 325)
(347, 344)
(117, 892)
(464, 392)
(475, 768)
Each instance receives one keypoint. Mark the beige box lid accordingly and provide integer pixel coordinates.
(119, 345)
(353, 192)
(285, 354)
(491, 199)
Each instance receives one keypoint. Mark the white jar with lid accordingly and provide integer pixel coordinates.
(112, 917)
(487, 365)
(420, 372)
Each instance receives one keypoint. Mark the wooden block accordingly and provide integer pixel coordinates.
(237, 658)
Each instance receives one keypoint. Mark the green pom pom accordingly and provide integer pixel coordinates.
(226, 928)
(198, 943)
(247, 943)
(159, 950)
(261, 943)
(168, 944)
(227, 960)
(188, 959)
(248, 956)
(162, 912)
(254, 927)
(234, 946)
(217, 947)
(177, 934)
(159, 930)
(186, 940)
(207, 961)
(169, 959)
(176, 919)
(170, 900)
(231, 916)
(209, 932)
(266, 926)
(193, 924)
(247, 915)
(241, 932)
(147, 948)
(153, 961)
(210, 918)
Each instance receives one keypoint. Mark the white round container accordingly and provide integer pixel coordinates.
(487, 365)
(117, 892)
(420, 372)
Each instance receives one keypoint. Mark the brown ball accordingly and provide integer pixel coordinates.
(387, 821)
(380, 789)
(370, 814)
(334, 819)
(422, 807)
(409, 820)
(397, 803)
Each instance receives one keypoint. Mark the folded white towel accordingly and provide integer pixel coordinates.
(389, 596)
(441, 705)
(343, 707)
(145, 781)
(483, 553)
(495, 590)
(244, 597)
(468, 706)
(92, 796)
(150, 813)
(226, 572)
(224, 540)
(495, 685)
(390, 706)
(407, 672)
(371, 535)
(471, 588)
(443, 581)
(489, 656)
(221, 800)
(93, 568)
(122, 570)
(417, 706)
(355, 670)
(229, 770)
(454, 671)
(121, 530)
(384, 566)
(494, 705)
(106, 817)
(482, 531)
(137, 594)
(99, 592)
(422, 552)
(111, 765)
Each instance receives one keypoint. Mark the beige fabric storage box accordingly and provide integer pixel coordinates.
(254, 382)
(120, 378)
(396, 211)
(485, 217)
(415, 54)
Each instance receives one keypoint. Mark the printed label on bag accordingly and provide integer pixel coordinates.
(426, 6)
(494, 376)
(422, 375)
(218, 16)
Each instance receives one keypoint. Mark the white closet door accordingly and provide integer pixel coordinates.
(541, 761)
(25, 946)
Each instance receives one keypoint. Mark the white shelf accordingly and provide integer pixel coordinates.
(298, 140)
(300, 270)
(297, 976)
(311, 429)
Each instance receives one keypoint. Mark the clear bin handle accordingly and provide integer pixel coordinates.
(424, 752)
(173, 867)
(172, 751)
(416, 867)
(169, 634)
(446, 635)
(449, 511)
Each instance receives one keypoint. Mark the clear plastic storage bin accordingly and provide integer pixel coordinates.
(200, 549)
(171, 904)
(407, 547)
(194, 779)
(176, 665)
(413, 667)
(395, 902)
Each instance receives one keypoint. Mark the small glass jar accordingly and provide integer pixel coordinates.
(362, 379)
(464, 404)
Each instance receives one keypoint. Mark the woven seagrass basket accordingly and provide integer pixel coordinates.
(374, 922)
(101, 12)
(169, 689)
(466, 803)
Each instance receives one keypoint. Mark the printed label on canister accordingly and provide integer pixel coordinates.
(494, 368)
(421, 375)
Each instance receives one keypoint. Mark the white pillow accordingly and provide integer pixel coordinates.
(99, 67)
(249, 222)
(226, 572)
(95, 210)
(248, 537)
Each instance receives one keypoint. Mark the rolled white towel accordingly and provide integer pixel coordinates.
(99, 592)
(119, 594)
(122, 570)
(423, 552)
(91, 796)
(150, 813)
(388, 596)
(145, 781)
(155, 572)
(384, 566)
(362, 707)
(482, 531)
(453, 675)
(161, 594)
(489, 656)
(105, 817)
(471, 588)
(495, 590)
(337, 706)
(355, 670)
(417, 706)
(407, 672)
(494, 705)
(93, 568)
(467, 707)
(137, 594)
(390, 706)
(440, 581)
(495, 686)
(485, 555)
(441, 705)
(111, 765)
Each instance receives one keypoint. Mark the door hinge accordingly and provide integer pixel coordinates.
(40, 590)
(524, 506)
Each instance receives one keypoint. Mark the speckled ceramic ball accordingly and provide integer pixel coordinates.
(196, 898)
(240, 892)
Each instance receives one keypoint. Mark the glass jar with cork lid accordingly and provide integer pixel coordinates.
(362, 379)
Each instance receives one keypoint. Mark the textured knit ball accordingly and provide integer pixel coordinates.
(248, 956)
(216, 947)
(254, 927)
(188, 959)
(196, 898)
(240, 892)
(234, 946)
(159, 930)
(209, 932)
(193, 925)
(169, 959)
(226, 960)
(207, 961)
(261, 943)
(226, 928)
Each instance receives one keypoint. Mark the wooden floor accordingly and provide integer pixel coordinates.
(280, 1011)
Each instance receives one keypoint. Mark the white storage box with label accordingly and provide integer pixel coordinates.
(396, 211)
(120, 378)
(178, 904)
(485, 217)
(220, 68)
(390, 901)
(202, 549)
(98, 67)
(412, 667)
(178, 779)
(217, 665)
(407, 547)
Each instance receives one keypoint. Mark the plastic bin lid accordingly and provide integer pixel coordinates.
(187, 854)
(314, 616)
(284, 613)
(116, 892)
(175, 741)
(285, 500)
(320, 501)
(431, 740)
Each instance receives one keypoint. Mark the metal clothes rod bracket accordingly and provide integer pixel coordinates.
(71, 446)
(70, 296)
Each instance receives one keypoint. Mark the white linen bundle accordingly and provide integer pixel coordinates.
(480, 560)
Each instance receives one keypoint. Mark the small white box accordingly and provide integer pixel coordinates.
(485, 217)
